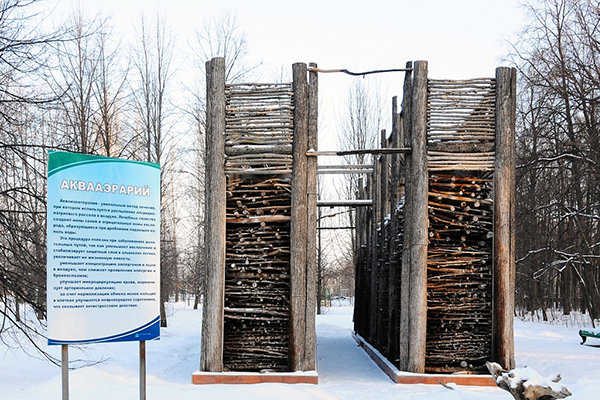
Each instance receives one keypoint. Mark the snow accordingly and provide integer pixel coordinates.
(345, 370)
(529, 377)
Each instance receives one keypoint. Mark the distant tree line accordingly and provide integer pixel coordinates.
(558, 157)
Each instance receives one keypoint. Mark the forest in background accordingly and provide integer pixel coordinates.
(76, 86)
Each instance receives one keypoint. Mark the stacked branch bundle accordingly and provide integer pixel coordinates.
(258, 149)
(259, 129)
(461, 125)
(459, 273)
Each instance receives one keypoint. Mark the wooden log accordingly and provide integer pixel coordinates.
(392, 295)
(400, 150)
(373, 311)
(404, 334)
(461, 147)
(418, 226)
(310, 360)
(212, 322)
(358, 314)
(504, 218)
(258, 149)
(299, 219)
(381, 250)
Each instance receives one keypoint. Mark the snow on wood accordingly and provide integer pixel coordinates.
(527, 384)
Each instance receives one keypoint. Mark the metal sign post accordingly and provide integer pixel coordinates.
(65, 372)
(142, 370)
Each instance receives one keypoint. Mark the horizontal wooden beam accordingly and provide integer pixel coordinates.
(345, 171)
(344, 203)
(398, 150)
(244, 149)
(345, 166)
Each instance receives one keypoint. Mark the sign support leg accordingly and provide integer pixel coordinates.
(142, 370)
(65, 372)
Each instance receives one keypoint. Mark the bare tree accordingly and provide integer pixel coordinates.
(558, 56)
(153, 62)
(24, 62)
(111, 97)
(78, 61)
(218, 37)
(222, 37)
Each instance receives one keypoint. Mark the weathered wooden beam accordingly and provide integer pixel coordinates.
(212, 322)
(375, 218)
(504, 218)
(299, 221)
(399, 150)
(461, 147)
(345, 166)
(310, 352)
(381, 249)
(358, 315)
(392, 295)
(418, 226)
(245, 149)
(344, 203)
(404, 333)
(345, 171)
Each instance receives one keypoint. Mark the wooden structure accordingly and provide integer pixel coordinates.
(260, 299)
(435, 266)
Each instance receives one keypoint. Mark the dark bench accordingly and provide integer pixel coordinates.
(586, 334)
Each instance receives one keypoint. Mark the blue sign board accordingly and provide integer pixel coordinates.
(103, 260)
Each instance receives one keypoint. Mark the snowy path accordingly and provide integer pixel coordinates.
(344, 368)
(345, 371)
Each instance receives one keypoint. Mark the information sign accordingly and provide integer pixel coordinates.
(103, 261)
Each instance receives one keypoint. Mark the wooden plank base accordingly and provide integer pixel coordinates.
(207, 378)
(398, 376)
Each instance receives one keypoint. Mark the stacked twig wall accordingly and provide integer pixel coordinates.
(433, 293)
(257, 275)
(261, 323)
(459, 274)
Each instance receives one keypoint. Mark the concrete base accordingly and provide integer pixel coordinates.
(398, 376)
(205, 378)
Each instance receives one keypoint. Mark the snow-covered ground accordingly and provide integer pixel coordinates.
(345, 371)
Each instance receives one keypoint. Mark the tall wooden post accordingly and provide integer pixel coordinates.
(418, 225)
(392, 295)
(381, 250)
(405, 266)
(215, 185)
(374, 259)
(385, 177)
(368, 264)
(298, 233)
(310, 361)
(504, 219)
(359, 263)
